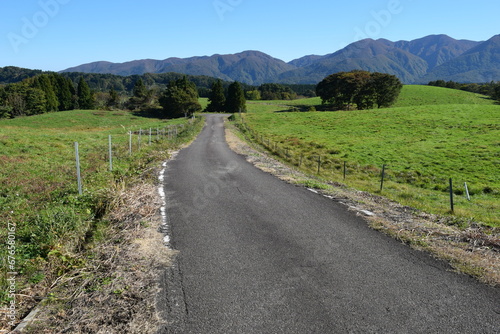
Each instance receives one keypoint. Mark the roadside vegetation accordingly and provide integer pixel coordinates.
(55, 229)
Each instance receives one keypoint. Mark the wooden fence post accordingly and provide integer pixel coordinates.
(452, 205)
(382, 178)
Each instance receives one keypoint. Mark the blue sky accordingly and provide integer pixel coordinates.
(57, 34)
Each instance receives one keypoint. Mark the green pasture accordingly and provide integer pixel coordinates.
(38, 184)
(422, 142)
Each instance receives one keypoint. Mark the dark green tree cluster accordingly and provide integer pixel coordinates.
(236, 101)
(12, 74)
(142, 97)
(273, 91)
(39, 94)
(360, 89)
(496, 92)
(253, 95)
(233, 103)
(216, 98)
(85, 95)
(43, 93)
(180, 99)
(306, 90)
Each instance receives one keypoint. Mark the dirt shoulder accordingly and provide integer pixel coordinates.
(473, 251)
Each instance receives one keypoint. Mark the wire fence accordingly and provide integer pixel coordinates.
(123, 147)
(378, 176)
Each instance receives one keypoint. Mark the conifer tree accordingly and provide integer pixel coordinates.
(85, 96)
(113, 98)
(180, 99)
(216, 99)
(65, 92)
(236, 101)
(44, 83)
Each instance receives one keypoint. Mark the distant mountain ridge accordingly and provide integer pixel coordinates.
(419, 61)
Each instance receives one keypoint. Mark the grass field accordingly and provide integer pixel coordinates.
(39, 201)
(431, 135)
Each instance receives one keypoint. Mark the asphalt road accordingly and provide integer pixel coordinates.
(258, 255)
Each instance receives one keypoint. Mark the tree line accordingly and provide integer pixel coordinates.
(50, 92)
(491, 89)
(231, 101)
(43, 93)
(31, 92)
(124, 85)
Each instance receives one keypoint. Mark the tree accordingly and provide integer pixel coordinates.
(85, 96)
(236, 101)
(496, 91)
(180, 99)
(216, 98)
(141, 96)
(332, 91)
(36, 101)
(253, 95)
(113, 99)
(386, 89)
(65, 92)
(362, 88)
(45, 83)
(273, 91)
(363, 92)
(5, 111)
(140, 91)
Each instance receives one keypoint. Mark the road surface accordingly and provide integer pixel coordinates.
(258, 255)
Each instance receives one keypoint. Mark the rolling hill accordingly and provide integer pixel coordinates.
(418, 61)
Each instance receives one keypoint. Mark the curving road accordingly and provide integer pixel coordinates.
(258, 255)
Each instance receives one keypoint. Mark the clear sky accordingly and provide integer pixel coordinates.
(57, 34)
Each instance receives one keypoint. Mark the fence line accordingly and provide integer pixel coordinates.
(113, 154)
(302, 162)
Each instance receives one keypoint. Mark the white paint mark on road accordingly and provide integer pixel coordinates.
(312, 190)
(367, 213)
(163, 209)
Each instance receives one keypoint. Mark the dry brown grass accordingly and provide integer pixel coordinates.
(474, 251)
(116, 292)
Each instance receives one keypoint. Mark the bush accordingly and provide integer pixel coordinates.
(5, 112)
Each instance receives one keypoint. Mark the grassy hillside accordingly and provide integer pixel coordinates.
(431, 136)
(415, 95)
(48, 221)
(411, 95)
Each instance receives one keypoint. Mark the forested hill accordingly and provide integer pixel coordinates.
(105, 82)
(12, 74)
(418, 61)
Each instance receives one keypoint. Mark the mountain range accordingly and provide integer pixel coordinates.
(434, 57)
